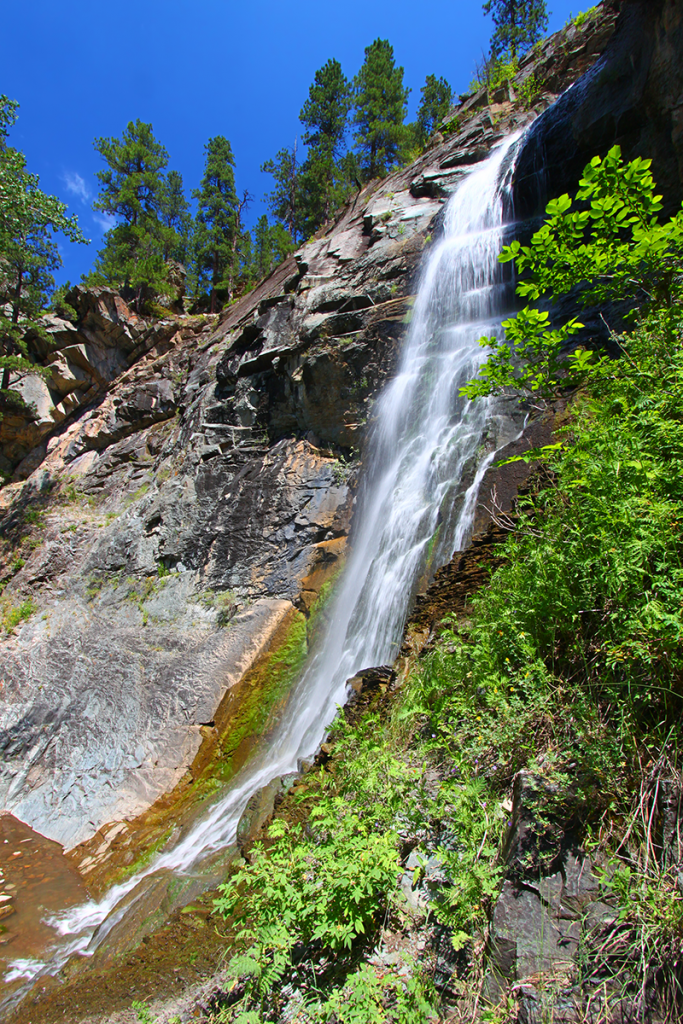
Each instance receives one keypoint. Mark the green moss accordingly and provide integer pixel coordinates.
(144, 859)
(255, 698)
(12, 615)
(253, 705)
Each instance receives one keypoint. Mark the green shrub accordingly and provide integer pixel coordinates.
(12, 615)
(530, 90)
(584, 16)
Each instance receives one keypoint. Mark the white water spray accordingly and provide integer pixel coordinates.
(416, 509)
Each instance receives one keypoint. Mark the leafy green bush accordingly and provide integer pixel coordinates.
(368, 998)
(584, 16)
(323, 891)
(12, 615)
(529, 90)
(612, 245)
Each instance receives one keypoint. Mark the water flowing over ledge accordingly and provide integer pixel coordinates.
(428, 453)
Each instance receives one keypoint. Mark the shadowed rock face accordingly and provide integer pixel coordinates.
(632, 96)
(196, 470)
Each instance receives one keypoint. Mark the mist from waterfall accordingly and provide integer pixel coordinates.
(428, 451)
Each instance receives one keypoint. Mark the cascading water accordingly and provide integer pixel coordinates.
(416, 509)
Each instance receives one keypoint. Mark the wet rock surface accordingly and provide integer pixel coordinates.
(36, 879)
(102, 715)
(631, 96)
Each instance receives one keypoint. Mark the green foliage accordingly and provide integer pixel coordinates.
(325, 112)
(493, 72)
(519, 24)
(572, 661)
(12, 615)
(175, 214)
(612, 245)
(435, 102)
(60, 305)
(272, 244)
(530, 359)
(218, 224)
(380, 106)
(323, 185)
(609, 235)
(529, 90)
(29, 220)
(450, 127)
(133, 190)
(142, 1012)
(283, 201)
(650, 925)
(371, 998)
(328, 890)
(584, 16)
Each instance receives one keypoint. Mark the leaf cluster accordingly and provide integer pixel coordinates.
(607, 244)
(29, 221)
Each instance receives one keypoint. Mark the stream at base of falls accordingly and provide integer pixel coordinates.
(427, 454)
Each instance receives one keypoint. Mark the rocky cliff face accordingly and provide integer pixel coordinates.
(187, 484)
(632, 96)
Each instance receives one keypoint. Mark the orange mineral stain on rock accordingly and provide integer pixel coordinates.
(35, 881)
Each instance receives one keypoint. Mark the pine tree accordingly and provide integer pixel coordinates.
(176, 216)
(284, 200)
(28, 253)
(283, 246)
(239, 272)
(323, 187)
(380, 101)
(437, 97)
(272, 244)
(217, 222)
(263, 252)
(519, 24)
(132, 190)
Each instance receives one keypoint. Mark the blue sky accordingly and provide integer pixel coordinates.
(202, 68)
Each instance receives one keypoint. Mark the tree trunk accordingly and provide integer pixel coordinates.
(246, 199)
(9, 348)
(214, 279)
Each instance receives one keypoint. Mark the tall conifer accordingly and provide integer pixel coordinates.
(216, 223)
(284, 200)
(435, 103)
(176, 216)
(132, 191)
(324, 116)
(519, 24)
(381, 104)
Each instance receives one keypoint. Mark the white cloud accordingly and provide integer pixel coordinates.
(77, 186)
(104, 220)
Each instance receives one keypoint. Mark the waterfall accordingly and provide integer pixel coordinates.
(428, 451)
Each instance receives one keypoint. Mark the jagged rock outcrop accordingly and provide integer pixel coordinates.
(83, 359)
